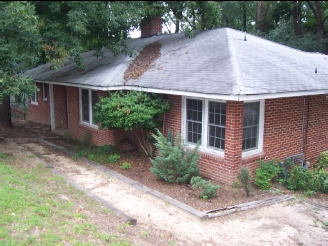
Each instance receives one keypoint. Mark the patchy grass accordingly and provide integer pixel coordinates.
(38, 208)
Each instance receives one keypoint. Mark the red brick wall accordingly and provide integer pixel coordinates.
(292, 125)
(79, 130)
(39, 113)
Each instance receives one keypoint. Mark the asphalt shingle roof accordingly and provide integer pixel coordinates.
(217, 61)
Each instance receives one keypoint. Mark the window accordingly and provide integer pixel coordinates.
(194, 120)
(34, 98)
(205, 120)
(251, 126)
(216, 125)
(45, 89)
(88, 99)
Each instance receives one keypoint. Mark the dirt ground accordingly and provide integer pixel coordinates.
(288, 223)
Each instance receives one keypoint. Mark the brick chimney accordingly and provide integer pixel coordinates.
(151, 28)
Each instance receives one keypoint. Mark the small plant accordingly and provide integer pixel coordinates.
(245, 179)
(86, 140)
(104, 149)
(265, 174)
(113, 158)
(126, 166)
(207, 189)
(124, 228)
(144, 233)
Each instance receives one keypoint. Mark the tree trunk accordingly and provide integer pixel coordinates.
(297, 16)
(5, 115)
(244, 15)
(317, 10)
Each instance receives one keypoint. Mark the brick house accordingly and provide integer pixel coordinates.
(247, 98)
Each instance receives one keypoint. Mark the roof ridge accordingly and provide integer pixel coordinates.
(237, 85)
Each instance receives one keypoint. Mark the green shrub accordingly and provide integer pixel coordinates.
(322, 161)
(174, 163)
(208, 190)
(301, 179)
(113, 158)
(265, 174)
(105, 149)
(126, 165)
(321, 180)
(245, 179)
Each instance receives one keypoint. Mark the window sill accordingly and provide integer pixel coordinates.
(253, 156)
(207, 151)
(34, 103)
(88, 127)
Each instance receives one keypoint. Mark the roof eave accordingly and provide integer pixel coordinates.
(196, 94)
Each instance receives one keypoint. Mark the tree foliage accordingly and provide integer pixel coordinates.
(19, 48)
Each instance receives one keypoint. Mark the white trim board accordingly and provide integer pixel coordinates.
(195, 94)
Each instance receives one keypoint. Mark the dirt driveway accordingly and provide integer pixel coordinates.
(287, 223)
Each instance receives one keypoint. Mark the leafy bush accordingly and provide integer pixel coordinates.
(300, 179)
(297, 178)
(245, 179)
(114, 158)
(174, 163)
(132, 110)
(207, 189)
(265, 174)
(322, 161)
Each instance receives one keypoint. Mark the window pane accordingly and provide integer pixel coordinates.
(251, 125)
(194, 120)
(85, 105)
(216, 123)
(94, 95)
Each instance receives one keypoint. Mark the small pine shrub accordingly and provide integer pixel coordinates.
(208, 190)
(174, 163)
(265, 174)
(245, 179)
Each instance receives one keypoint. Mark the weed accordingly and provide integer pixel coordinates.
(126, 166)
(124, 228)
(3, 156)
(166, 203)
(236, 184)
(144, 233)
(171, 243)
(114, 158)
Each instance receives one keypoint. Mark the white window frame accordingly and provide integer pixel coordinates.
(259, 148)
(44, 89)
(90, 108)
(204, 144)
(34, 98)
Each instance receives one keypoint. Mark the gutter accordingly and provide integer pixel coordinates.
(194, 94)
